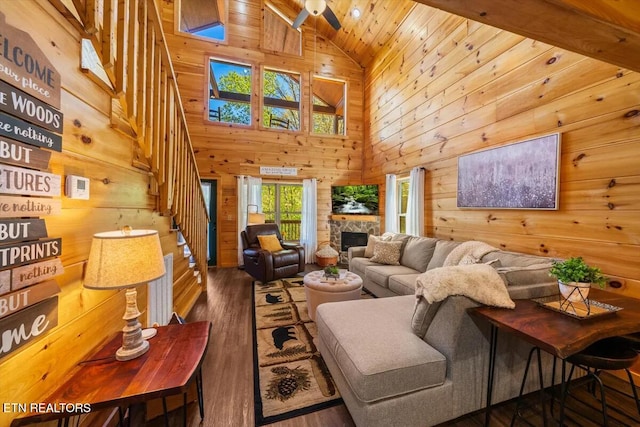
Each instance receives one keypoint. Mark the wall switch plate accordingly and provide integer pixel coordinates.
(77, 187)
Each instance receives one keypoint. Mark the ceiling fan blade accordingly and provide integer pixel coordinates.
(331, 18)
(304, 13)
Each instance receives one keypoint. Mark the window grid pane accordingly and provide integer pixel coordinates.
(281, 95)
(230, 92)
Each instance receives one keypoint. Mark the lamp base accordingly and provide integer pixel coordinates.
(131, 353)
(133, 344)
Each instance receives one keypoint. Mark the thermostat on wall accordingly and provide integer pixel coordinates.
(77, 187)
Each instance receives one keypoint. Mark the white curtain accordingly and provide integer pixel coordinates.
(391, 204)
(415, 202)
(249, 193)
(309, 226)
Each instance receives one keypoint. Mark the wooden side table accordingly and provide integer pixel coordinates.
(173, 361)
(556, 333)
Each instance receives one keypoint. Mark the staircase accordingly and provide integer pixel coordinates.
(124, 51)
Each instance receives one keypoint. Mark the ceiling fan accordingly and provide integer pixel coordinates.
(315, 8)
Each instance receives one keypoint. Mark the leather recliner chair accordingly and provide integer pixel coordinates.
(267, 266)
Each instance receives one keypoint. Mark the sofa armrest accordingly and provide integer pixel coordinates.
(355, 252)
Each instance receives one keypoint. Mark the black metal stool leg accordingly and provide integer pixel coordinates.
(633, 389)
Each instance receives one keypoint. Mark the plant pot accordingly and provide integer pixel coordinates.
(574, 291)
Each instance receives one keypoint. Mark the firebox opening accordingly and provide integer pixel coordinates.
(348, 239)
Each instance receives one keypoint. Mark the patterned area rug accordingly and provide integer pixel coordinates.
(291, 378)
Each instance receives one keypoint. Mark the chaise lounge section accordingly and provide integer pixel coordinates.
(399, 361)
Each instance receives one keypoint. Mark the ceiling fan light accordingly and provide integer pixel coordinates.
(315, 7)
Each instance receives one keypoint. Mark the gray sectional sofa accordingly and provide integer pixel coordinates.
(399, 361)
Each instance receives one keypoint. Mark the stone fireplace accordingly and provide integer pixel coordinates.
(358, 225)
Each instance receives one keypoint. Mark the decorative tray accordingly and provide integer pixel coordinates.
(584, 309)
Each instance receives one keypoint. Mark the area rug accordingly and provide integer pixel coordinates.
(290, 377)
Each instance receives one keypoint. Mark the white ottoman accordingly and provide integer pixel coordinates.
(320, 289)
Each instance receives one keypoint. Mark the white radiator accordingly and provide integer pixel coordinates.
(160, 296)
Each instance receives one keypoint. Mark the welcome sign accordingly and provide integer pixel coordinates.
(24, 65)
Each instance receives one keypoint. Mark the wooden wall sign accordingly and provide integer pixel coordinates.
(16, 153)
(5, 281)
(20, 104)
(30, 274)
(24, 253)
(20, 230)
(18, 129)
(24, 65)
(16, 301)
(28, 207)
(28, 182)
(27, 325)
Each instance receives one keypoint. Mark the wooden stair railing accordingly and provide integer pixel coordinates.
(128, 39)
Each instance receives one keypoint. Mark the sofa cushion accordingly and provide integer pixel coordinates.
(382, 357)
(359, 264)
(443, 247)
(380, 274)
(423, 314)
(521, 269)
(417, 252)
(387, 252)
(403, 284)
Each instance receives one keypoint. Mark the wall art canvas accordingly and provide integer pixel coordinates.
(523, 175)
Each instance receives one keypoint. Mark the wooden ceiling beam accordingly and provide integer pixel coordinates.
(604, 30)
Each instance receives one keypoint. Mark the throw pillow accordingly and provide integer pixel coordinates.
(269, 242)
(423, 314)
(368, 252)
(387, 252)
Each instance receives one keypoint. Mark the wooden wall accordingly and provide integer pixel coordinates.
(119, 196)
(224, 151)
(457, 86)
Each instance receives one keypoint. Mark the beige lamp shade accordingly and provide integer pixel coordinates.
(122, 259)
(255, 218)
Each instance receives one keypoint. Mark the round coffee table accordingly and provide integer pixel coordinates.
(320, 289)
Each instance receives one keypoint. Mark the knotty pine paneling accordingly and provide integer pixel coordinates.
(119, 196)
(474, 87)
(224, 151)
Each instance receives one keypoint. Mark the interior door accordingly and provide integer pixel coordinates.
(209, 190)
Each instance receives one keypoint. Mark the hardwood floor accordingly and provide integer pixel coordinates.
(228, 372)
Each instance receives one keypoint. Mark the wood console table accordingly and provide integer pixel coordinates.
(173, 361)
(554, 332)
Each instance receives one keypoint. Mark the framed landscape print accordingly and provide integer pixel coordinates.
(523, 175)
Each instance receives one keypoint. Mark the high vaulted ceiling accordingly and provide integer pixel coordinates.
(603, 29)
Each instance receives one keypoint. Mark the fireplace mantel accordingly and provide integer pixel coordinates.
(364, 218)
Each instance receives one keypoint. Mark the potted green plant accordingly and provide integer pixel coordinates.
(332, 271)
(575, 278)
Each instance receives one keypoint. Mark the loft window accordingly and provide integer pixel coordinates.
(329, 106)
(278, 35)
(281, 100)
(229, 92)
(204, 18)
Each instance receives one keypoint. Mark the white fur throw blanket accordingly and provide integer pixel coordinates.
(480, 282)
(469, 252)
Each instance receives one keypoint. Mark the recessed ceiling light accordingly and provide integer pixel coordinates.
(355, 13)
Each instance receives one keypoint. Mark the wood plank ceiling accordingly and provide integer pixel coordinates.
(602, 29)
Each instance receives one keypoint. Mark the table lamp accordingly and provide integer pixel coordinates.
(124, 259)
